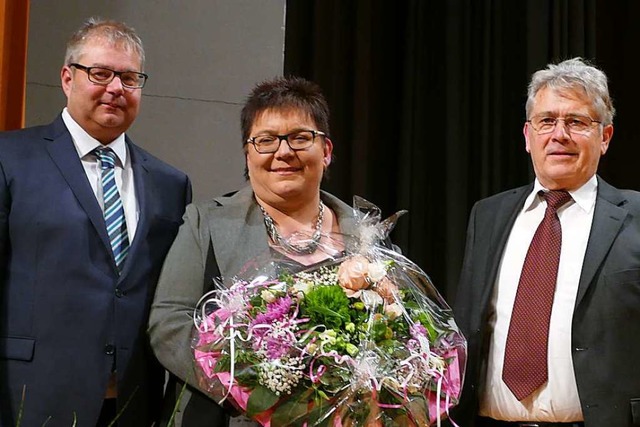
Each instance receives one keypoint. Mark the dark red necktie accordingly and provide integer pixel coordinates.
(525, 358)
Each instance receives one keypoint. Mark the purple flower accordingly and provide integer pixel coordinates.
(276, 310)
(413, 344)
(417, 330)
(276, 347)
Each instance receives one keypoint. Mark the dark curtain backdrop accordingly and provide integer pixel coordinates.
(427, 101)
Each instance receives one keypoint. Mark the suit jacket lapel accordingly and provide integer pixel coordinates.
(141, 184)
(502, 220)
(65, 156)
(238, 232)
(608, 218)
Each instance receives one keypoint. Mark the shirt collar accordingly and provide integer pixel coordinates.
(85, 143)
(585, 196)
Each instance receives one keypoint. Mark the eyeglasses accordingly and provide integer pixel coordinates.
(104, 76)
(575, 124)
(298, 140)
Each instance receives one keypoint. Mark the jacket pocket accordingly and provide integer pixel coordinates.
(624, 277)
(17, 348)
(624, 286)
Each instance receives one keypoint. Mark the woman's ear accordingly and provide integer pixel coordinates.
(328, 150)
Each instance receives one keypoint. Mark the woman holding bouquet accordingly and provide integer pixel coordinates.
(285, 134)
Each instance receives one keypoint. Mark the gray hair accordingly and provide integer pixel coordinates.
(114, 32)
(575, 74)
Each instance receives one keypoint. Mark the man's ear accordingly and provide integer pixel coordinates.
(66, 79)
(525, 132)
(607, 134)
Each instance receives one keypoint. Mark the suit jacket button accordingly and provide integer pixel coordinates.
(119, 293)
(109, 349)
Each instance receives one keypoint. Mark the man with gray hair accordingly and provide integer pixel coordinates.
(86, 219)
(549, 294)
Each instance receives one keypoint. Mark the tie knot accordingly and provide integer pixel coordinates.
(106, 156)
(556, 198)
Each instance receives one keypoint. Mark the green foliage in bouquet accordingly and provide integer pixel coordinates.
(341, 341)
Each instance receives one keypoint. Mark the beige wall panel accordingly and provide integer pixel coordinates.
(203, 56)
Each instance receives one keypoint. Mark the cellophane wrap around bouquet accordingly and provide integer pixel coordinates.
(361, 339)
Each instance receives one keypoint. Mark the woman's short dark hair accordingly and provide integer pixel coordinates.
(285, 93)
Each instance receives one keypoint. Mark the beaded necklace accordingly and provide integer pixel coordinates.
(300, 249)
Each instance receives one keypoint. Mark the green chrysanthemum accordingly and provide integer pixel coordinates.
(327, 305)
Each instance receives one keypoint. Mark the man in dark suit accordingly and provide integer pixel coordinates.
(572, 360)
(83, 234)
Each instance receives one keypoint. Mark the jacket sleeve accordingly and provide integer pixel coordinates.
(463, 293)
(5, 209)
(179, 289)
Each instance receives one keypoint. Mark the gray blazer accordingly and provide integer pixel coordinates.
(604, 341)
(233, 227)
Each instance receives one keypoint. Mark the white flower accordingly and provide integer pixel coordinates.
(282, 375)
(303, 287)
(311, 348)
(267, 295)
(328, 337)
(376, 271)
(393, 311)
(371, 299)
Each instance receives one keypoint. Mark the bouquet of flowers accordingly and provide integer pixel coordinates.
(360, 339)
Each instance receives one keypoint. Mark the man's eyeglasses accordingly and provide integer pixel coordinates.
(299, 140)
(104, 76)
(575, 124)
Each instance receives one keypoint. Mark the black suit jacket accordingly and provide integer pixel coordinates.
(604, 342)
(67, 318)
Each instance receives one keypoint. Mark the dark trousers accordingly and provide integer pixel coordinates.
(107, 414)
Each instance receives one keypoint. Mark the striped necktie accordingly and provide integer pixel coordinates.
(113, 210)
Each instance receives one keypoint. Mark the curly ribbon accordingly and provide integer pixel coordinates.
(223, 325)
(227, 328)
(422, 358)
(337, 357)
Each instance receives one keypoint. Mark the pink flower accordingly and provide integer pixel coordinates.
(276, 310)
(386, 289)
(352, 273)
(261, 326)
(417, 330)
(277, 347)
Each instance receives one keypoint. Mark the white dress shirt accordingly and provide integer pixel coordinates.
(85, 144)
(557, 400)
